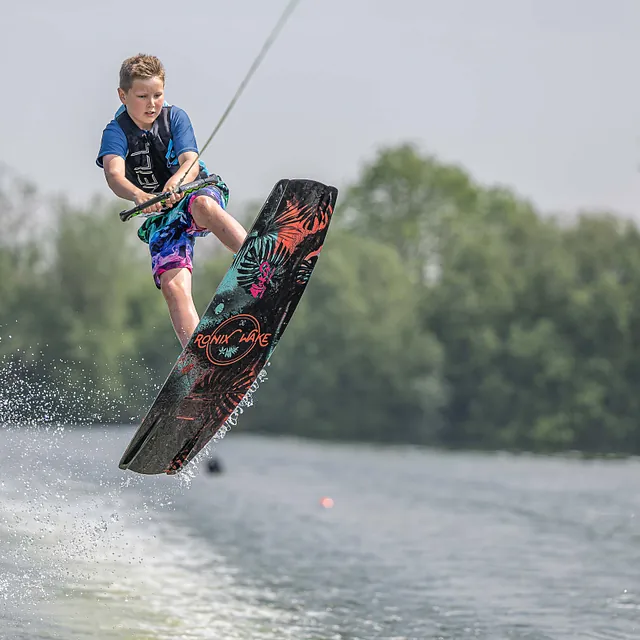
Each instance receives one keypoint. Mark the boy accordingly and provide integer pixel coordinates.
(146, 150)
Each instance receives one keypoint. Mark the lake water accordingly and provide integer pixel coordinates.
(418, 544)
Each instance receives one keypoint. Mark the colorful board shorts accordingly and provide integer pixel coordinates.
(171, 235)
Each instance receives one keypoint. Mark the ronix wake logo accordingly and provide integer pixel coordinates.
(232, 340)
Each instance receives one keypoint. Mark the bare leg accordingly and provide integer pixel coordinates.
(176, 288)
(209, 214)
(176, 283)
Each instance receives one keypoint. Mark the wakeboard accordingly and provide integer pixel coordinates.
(238, 331)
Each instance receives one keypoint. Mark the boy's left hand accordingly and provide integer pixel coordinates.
(172, 185)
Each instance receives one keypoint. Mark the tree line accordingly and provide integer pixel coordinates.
(442, 312)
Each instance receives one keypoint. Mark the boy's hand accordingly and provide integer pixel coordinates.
(142, 197)
(172, 185)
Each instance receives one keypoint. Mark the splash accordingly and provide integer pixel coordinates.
(44, 504)
(246, 402)
(62, 393)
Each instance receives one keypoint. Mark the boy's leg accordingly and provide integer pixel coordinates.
(207, 213)
(175, 285)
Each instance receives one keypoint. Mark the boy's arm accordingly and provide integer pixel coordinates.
(186, 160)
(114, 172)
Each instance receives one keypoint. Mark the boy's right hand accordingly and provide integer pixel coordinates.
(143, 197)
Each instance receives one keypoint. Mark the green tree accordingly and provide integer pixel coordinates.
(355, 363)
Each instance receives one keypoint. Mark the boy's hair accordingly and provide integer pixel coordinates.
(140, 67)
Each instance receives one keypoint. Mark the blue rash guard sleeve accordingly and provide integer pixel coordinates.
(184, 138)
(114, 141)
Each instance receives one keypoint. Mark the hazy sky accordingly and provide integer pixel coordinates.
(540, 95)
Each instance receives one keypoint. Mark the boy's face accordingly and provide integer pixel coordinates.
(144, 100)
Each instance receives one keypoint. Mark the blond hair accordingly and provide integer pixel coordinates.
(140, 67)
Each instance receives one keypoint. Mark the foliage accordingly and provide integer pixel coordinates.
(441, 312)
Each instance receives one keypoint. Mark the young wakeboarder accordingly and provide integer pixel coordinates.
(147, 149)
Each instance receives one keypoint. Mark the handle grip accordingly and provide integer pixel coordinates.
(190, 187)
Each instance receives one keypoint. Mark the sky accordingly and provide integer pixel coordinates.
(542, 96)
